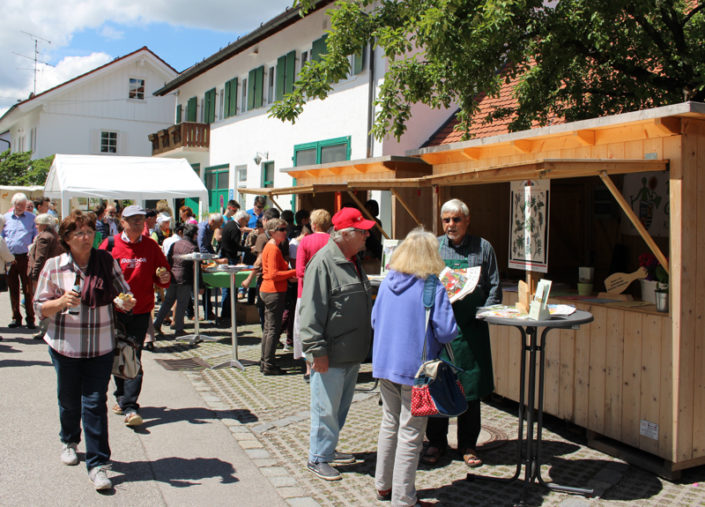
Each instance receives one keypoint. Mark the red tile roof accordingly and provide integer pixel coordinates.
(447, 133)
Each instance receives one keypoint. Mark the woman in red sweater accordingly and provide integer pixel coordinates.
(273, 293)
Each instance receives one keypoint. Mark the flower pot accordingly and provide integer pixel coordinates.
(662, 301)
(648, 290)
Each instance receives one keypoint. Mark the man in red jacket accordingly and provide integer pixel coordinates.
(141, 260)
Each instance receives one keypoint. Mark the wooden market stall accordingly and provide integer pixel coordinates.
(633, 375)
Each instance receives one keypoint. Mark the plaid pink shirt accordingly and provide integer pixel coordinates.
(90, 332)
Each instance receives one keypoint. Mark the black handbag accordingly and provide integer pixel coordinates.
(3, 282)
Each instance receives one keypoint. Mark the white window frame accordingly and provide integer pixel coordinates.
(241, 181)
(107, 134)
(130, 89)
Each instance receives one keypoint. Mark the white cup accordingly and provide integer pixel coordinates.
(585, 274)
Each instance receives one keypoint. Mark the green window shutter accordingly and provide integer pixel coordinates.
(358, 60)
(209, 106)
(178, 114)
(290, 72)
(319, 48)
(281, 74)
(259, 86)
(191, 106)
(230, 98)
(251, 89)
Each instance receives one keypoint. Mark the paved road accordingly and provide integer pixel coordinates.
(236, 437)
(184, 454)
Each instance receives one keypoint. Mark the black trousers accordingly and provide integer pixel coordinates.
(469, 426)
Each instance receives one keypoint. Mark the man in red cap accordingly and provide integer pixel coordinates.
(335, 334)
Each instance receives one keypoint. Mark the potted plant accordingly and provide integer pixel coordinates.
(649, 284)
(661, 293)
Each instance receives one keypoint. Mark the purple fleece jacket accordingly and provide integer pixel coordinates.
(398, 319)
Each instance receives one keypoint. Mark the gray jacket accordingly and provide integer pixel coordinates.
(335, 309)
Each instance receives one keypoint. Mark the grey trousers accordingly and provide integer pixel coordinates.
(273, 310)
(399, 445)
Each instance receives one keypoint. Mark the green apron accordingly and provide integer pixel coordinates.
(471, 348)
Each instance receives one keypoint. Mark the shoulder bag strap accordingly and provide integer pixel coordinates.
(429, 289)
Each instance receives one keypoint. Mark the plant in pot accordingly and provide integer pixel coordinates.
(661, 293)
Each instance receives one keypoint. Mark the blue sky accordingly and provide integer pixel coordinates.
(85, 35)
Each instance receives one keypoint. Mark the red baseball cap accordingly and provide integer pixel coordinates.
(351, 217)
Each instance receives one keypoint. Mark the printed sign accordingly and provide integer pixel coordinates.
(528, 237)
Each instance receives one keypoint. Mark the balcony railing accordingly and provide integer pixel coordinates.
(186, 135)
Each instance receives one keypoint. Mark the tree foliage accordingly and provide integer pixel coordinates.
(20, 169)
(575, 59)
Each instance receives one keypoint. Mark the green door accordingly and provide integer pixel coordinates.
(217, 185)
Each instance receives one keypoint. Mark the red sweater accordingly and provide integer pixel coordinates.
(139, 262)
(308, 246)
(274, 270)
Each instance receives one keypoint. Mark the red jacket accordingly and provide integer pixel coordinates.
(139, 262)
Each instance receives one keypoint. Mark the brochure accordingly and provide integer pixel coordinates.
(460, 282)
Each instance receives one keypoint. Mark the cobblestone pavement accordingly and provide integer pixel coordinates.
(269, 418)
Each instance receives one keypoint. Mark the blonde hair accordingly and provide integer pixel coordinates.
(417, 255)
(320, 219)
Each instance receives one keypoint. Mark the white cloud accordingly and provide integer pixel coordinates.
(112, 33)
(58, 21)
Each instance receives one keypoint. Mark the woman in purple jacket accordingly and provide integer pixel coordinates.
(398, 319)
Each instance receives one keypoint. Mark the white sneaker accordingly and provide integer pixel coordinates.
(68, 455)
(99, 478)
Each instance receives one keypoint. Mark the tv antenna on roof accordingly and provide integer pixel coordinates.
(36, 40)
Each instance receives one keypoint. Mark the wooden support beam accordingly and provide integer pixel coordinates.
(669, 126)
(408, 210)
(364, 211)
(472, 153)
(523, 145)
(586, 137)
(361, 168)
(635, 220)
(271, 197)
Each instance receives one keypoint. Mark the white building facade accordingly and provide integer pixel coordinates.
(233, 90)
(110, 110)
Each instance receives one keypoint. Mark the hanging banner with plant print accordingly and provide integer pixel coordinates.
(528, 240)
(647, 193)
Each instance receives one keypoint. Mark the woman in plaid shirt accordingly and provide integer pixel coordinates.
(81, 339)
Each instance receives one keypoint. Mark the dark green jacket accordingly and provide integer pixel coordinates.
(335, 309)
(471, 348)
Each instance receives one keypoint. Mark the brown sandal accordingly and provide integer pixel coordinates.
(471, 458)
(432, 455)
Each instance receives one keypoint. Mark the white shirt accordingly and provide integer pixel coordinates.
(168, 242)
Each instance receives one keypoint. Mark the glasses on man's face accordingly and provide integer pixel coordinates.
(282, 229)
(447, 220)
(83, 234)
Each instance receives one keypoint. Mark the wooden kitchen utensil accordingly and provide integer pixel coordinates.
(617, 282)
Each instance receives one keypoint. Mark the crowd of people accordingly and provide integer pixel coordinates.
(310, 284)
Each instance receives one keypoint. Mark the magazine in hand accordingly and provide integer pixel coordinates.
(459, 282)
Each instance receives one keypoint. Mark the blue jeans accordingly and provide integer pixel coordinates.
(331, 396)
(82, 387)
(181, 293)
(127, 391)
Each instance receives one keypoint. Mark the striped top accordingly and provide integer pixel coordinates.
(90, 332)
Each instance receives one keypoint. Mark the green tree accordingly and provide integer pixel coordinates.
(575, 59)
(20, 169)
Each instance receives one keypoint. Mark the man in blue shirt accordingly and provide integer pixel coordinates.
(256, 212)
(19, 232)
(204, 241)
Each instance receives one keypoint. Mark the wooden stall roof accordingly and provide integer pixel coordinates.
(645, 124)
(390, 163)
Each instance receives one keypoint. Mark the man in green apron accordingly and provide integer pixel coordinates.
(471, 348)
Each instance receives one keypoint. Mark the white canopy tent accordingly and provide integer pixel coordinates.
(135, 178)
